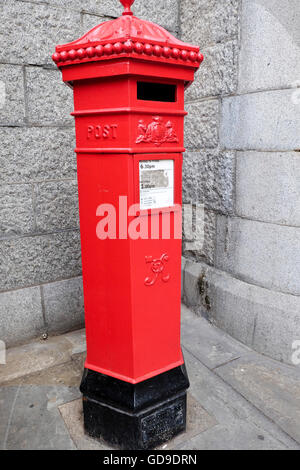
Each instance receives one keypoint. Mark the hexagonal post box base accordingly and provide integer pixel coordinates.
(135, 416)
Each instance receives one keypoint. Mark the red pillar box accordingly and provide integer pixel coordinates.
(129, 78)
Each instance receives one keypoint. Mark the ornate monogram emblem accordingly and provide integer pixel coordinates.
(157, 268)
(157, 132)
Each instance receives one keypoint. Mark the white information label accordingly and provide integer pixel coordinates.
(156, 184)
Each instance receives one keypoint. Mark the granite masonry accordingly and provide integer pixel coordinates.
(40, 260)
(242, 165)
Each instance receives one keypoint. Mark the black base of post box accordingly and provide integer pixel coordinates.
(135, 417)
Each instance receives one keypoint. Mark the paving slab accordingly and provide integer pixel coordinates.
(41, 355)
(237, 400)
(30, 419)
(273, 388)
(228, 407)
(240, 436)
(210, 345)
(77, 340)
(68, 374)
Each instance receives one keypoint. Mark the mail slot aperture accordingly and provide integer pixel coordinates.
(148, 91)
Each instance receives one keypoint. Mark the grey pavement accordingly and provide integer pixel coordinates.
(238, 399)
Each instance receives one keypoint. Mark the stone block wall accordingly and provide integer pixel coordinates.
(247, 170)
(40, 261)
(209, 168)
(242, 163)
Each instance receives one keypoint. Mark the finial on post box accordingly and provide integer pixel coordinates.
(127, 4)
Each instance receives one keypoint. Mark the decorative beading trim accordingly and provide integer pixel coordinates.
(128, 46)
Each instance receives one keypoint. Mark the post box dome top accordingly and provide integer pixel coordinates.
(128, 36)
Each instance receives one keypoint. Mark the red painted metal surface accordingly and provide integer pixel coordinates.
(128, 36)
(132, 287)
